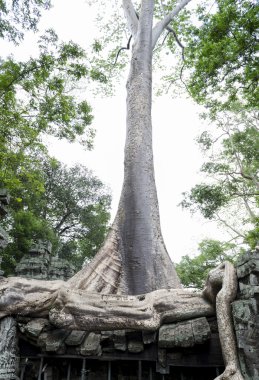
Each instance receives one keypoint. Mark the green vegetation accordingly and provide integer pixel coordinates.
(72, 211)
(193, 271)
(219, 43)
(68, 206)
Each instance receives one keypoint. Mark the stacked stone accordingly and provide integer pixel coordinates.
(39, 264)
(246, 314)
(41, 333)
(60, 269)
(35, 263)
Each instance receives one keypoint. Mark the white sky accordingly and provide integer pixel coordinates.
(175, 122)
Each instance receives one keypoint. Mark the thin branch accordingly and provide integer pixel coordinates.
(123, 48)
(131, 16)
(161, 25)
(238, 233)
(171, 30)
(62, 221)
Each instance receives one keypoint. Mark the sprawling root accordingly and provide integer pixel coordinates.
(230, 373)
(224, 298)
(103, 273)
(70, 306)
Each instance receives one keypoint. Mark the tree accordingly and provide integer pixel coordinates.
(19, 16)
(136, 236)
(72, 213)
(34, 102)
(133, 258)
(222, 55)
(194, 271)
(76, 204)
(135, 241)
(230, 193)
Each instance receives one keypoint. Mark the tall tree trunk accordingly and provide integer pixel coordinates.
(134, 259)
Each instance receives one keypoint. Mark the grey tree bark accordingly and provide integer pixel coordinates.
(134, 258)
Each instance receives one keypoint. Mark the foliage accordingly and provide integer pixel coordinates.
(193, 271)
(232, 183)
(39, 98)
(34, 102)
(222, 54)
(72, 212)
(20, 15)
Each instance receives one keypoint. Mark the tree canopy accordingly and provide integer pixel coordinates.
(38, 99)
(72, 212)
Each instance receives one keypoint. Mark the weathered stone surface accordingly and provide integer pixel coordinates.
(135, 346)
(244, 312)
(60, 269)
(9, 360)
(35, 327)
(41, 342)
(201, 330)
(184, 334)
(91, 345)
(39, 264)
(75, 338)
(119, 340)
(161, 364)
(35, 264)
(149, 337)
(245, 315)
(55, 340)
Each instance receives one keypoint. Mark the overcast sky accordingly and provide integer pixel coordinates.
(175, 122)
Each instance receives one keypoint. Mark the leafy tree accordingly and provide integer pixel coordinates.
(72, 212)
(38, 99)
(230, 193)
(135, 237)
(193, 271)
(222, 54)
(135, 242)
(34, 102)
(20, 15)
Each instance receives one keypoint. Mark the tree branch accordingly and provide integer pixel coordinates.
(123, 48)
(171, 30)
(131, 16)
(161, 25)
(230, 227)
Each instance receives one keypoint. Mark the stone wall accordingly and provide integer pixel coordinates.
(246, 314)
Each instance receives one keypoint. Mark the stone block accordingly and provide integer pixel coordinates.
(184, 334)
(149, 336)
(75, 338)
(34, 327)
(91, 345)
(135, 346)
(55, 340)
(243, 311)
(201, 330)
(119, 340)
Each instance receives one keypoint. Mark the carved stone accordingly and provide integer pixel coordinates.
(60, 269)
(91, 345)
(184, 334)
(55, 340)
(39, 264)
(34, 327)
(9, 359)
(246, 314)
(75, 338)
(35, 264)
